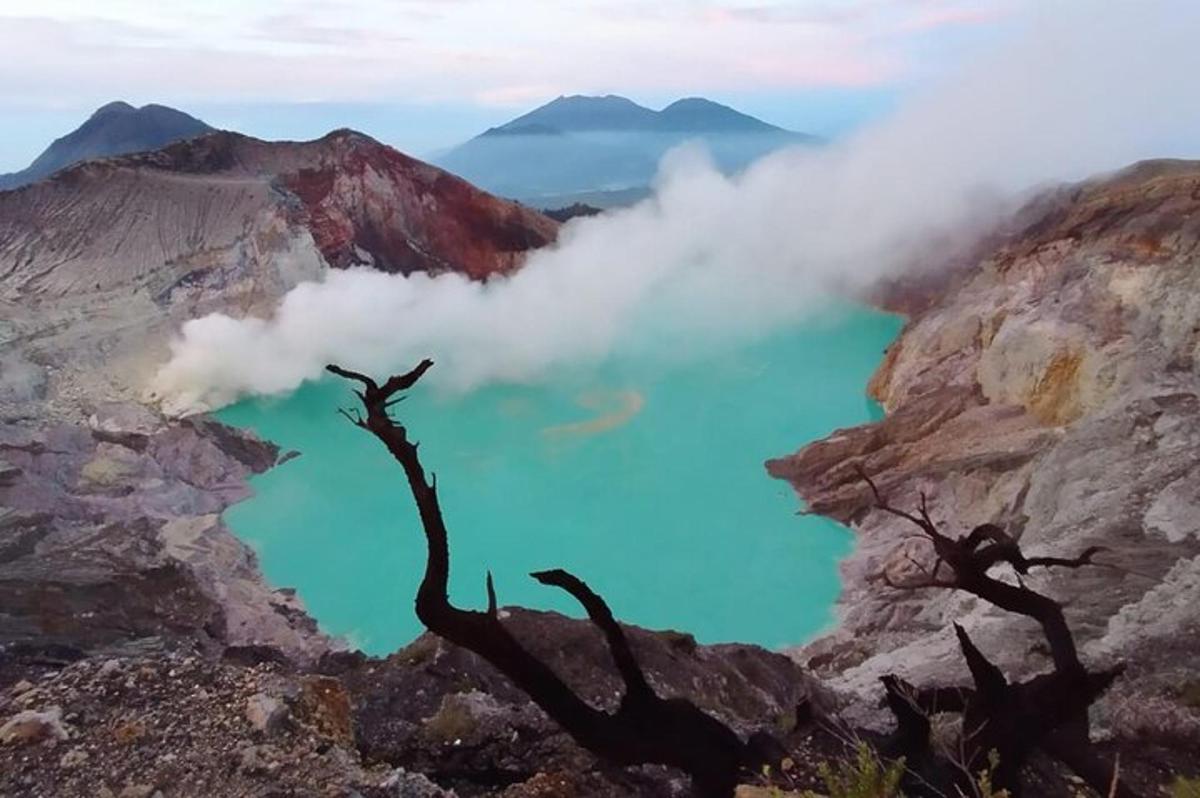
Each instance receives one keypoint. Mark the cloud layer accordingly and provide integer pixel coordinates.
(710, 259)
(496, 51)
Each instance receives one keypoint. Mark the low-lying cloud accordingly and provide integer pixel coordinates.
(1082, 88)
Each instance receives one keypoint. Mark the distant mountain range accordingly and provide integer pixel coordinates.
(581, 114)
(600, 151)
(115, 129)
(581, 148)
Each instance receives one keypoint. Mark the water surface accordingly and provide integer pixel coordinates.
(645, 479)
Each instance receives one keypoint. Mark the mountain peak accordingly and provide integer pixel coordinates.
(115, 107)
(700, 113)
(686, 102)
(581, 112)
(577, 113)
(129, 218)
(116, 128)
(348, 134)
(582, 144)
(613, 100)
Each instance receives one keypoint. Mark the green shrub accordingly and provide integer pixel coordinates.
(1184, 787)
(863, 777)
(983, 786)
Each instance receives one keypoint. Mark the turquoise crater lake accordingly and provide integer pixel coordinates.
(644, 478)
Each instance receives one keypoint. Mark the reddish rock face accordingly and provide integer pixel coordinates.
(367, 203)
(108, 258)
(227, 202)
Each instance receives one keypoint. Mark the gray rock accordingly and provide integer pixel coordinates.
(20, 380)
(132, 538)
(1051, 389)
(33, 726)
(137, 791)
(403, 784)
(432, 698)
(265, 713)
(124, 423)
(73, 758)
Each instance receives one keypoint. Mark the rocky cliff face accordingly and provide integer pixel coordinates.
(100, 264)
(175, 213)
(1052, 389)
(109, 515)
(110, 532)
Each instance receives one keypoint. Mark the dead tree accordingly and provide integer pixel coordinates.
(1047, 712)
(645, 729)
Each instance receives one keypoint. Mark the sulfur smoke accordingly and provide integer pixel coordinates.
(1077, 88)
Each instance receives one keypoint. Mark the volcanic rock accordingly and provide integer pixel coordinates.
(265, 713)
(101, 264)
(1052, 390)
(103, 544)
(31, 726)
(432, 719)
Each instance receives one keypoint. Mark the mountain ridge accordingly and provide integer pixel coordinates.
(577, 147)
(361, 201)
(105, 260)
(612, 112)
(116, 128)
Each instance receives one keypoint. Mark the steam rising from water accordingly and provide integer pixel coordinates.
(708, 258)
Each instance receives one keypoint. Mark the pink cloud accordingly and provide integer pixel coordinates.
(932, 19)
(478, 50)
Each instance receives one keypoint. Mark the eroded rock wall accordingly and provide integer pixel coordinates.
(1052, 390)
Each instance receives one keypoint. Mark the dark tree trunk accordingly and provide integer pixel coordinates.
(645, 729)
(1007, 721)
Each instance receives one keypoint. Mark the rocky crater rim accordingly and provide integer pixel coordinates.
(1048, 387)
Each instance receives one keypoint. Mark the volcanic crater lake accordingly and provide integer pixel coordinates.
(645, 478)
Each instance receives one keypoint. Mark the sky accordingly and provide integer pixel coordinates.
(425, 74)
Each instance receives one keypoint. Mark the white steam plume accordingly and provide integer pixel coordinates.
(1087, 86)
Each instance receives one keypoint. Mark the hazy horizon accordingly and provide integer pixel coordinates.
(424, 75)
(421, 130)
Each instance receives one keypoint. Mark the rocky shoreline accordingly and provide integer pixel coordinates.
(1053, 390)
(143, 652)
(112, 532)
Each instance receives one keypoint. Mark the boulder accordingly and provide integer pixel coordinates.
(34, 726)
(265, 713)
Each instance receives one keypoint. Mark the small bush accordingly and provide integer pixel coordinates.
(863, 777)
(1184, 787)
(983, 787)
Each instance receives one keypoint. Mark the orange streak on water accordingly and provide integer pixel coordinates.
(617, 408)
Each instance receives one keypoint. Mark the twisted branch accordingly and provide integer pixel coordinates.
(1048, 711)
(646, 729)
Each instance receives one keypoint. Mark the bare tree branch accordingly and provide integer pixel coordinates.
(646, 729)
(1012, 719)
(636, 686)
